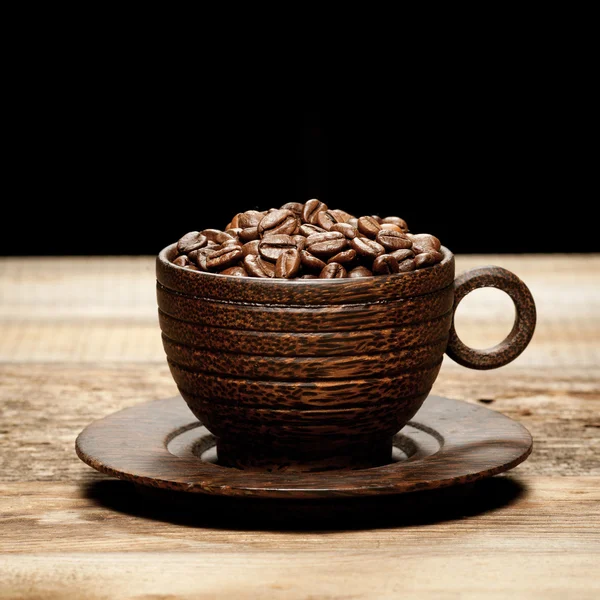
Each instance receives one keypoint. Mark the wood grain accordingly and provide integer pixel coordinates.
(79, 339)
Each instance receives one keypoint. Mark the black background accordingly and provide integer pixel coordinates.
(117, 170)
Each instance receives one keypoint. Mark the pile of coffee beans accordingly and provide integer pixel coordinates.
(307, 241)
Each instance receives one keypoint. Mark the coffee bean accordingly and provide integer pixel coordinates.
(295, 207)
(257, 267)
(391, 227)
(191, 267)
(385, 264)
(396, 221)
(200, 257)
(308, 276)
(278, 221)
(368, 226)
(360, 272)
(328, 248)
(193, 240)
(354, 222)
(344, 257)
(181, 261)
(234, 232)
(427, 259)
(311, 210)
(216, 235)
(377, 218)
(393, 240)
(250, 218)
(367, 248)
(406, 265)
(288, 264)
(272, 246)
(307, 229)
(403, 254)
(235, 222)
(424, 242)
(333, 271)
(315, 238)
(345, 229)
(248, 234)
(341, 215)
(326, 219)
(311, 262)
(251, 248)
(227, 256)
(300, 242)
(235, 272)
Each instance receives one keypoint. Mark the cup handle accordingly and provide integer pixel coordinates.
(523, 328)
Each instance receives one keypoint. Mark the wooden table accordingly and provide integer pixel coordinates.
(79, 339)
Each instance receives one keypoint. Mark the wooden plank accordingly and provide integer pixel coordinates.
(60, 539)
(96, 309)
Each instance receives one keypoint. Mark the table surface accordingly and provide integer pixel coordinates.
(79, 339)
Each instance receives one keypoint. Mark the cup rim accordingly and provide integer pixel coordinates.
(167, 251)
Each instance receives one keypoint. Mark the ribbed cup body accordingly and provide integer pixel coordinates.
(304, 374)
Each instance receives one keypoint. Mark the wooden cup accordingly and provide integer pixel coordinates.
(318, 374)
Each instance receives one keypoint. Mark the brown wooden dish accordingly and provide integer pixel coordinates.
(160, 444)
(319, 374)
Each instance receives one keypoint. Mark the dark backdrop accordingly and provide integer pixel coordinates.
(126, 174)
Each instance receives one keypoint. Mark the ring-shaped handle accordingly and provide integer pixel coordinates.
(523, 328)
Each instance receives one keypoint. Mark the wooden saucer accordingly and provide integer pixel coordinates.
(161, 444)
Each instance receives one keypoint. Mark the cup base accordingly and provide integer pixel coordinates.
(253, 457)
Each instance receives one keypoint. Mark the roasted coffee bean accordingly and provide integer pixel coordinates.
(307, 229)
(424, 242)
(277, 222)
(232, 242)
(308, 276)
(393, 240)
(385, 264)
(234, 232)
(328, 248)
(367, 248)
(251, 248)
(300, 241)
(235, 272)
(344, 257)
(191, 267)
(354, 222)
(360, 272)
(295, 207)
(211, 244)
(227, 256)
(311, 210)
(249, 234)
(396, 221)
(406, 265)
(377, 218)
(368, 226)
(341, 215)
(403, 254)
(250, 218)
(272, 246)
(288, 264)
(257, 267)
(345, 229)
(428, 259)
(326, 219)
(311, 262)
(181, 261)
(193, 240)
(391, 227)
(235, 223)
(216, 235)
(200, 257)
(315, 238)
(333, 271)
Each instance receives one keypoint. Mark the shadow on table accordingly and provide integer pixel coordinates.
(199, 510)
